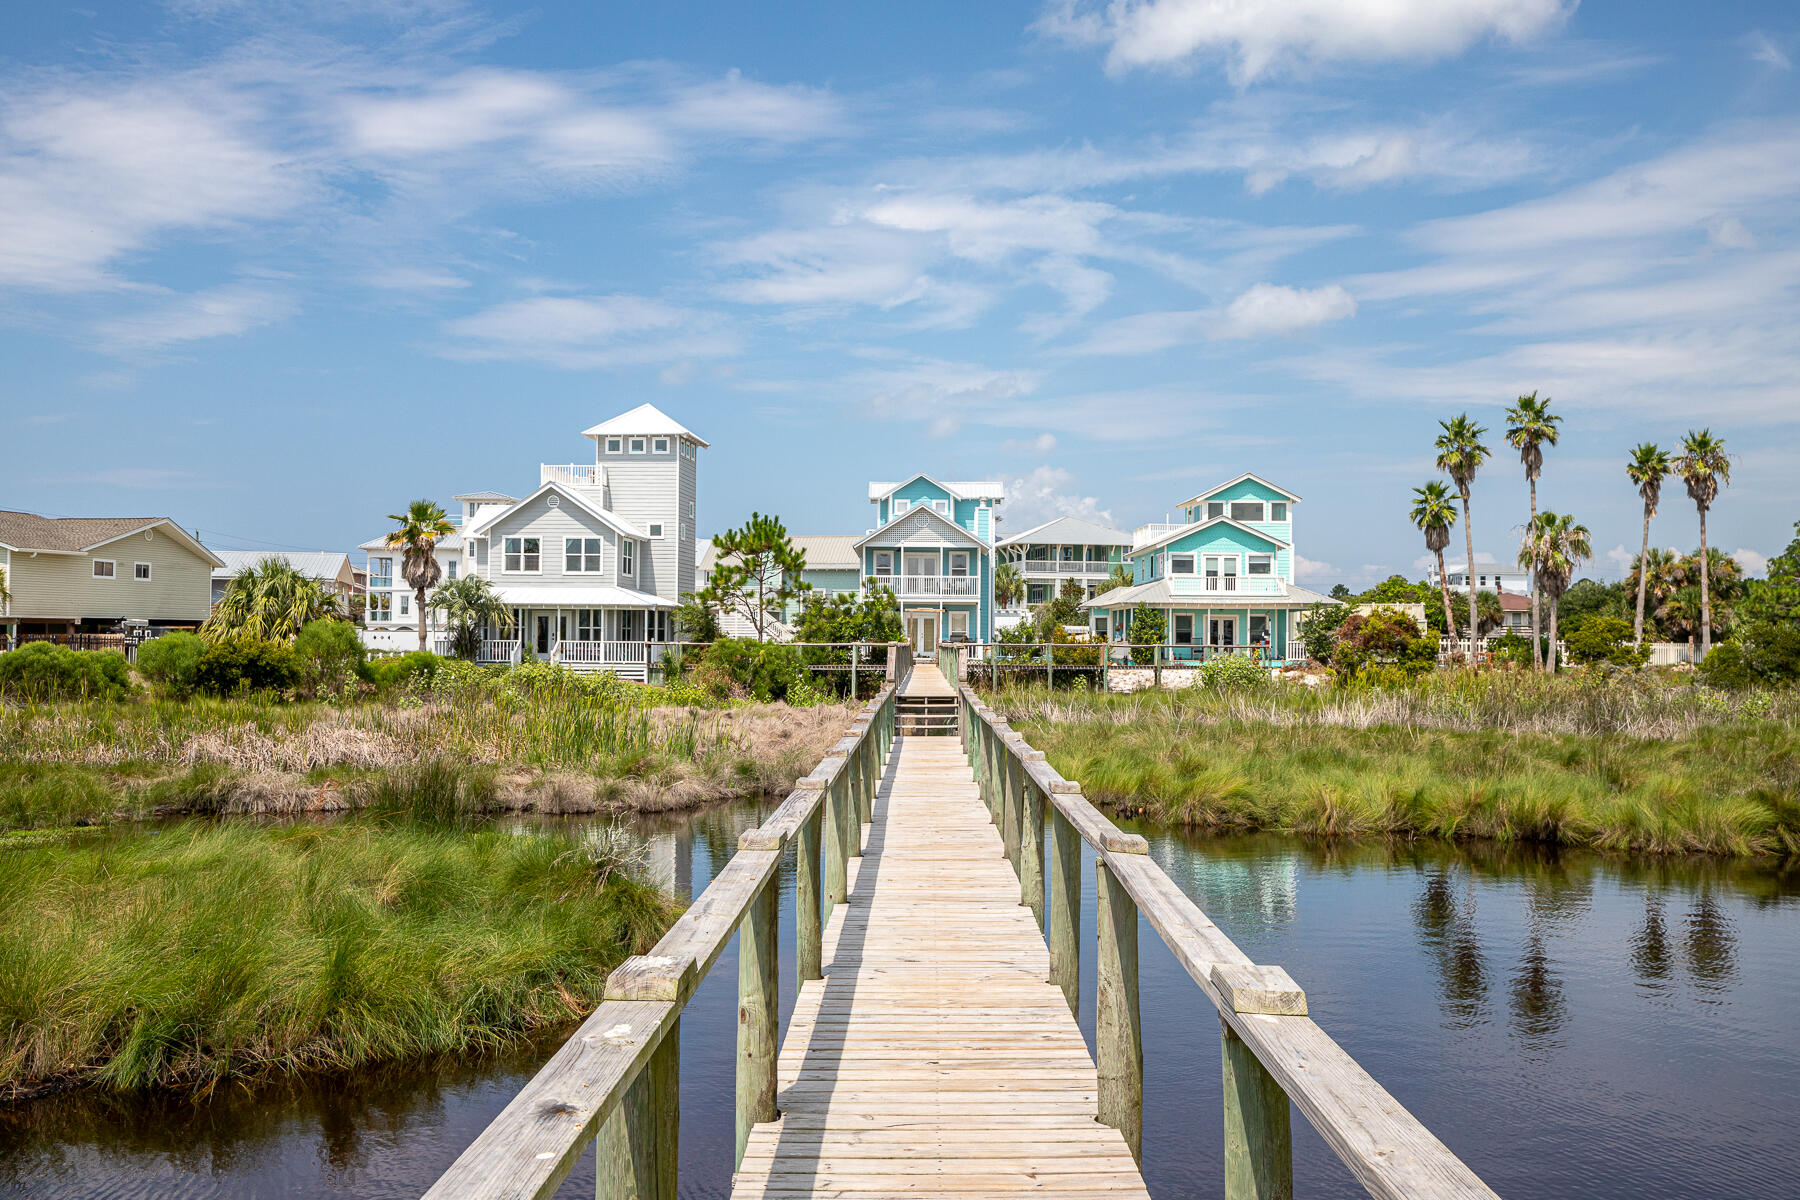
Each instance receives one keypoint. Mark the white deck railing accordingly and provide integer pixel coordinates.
(573, 474)
(507, 651)
(966, 586)
(1062, 567)
(633, 653)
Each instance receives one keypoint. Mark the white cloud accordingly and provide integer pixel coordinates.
(1040, 445)
(584, 332)
(1267, 310)
(1311, 571)
(218, 312)
(1763, 49)
(1754, 562)
(415, 279)
(1620, 558)
(1256, 37)
(1044, 494)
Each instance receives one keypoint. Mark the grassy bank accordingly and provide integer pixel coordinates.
(1581, 762)
(205, 951)
(554, 751)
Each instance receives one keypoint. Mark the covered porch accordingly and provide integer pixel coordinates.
(1198, 628)
(604, 629)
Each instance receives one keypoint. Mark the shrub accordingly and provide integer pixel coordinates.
(247, 665)
(1149, 629)
(329, 653)
(1761, 653)
(1603, 640)
(1319, 628)
(416, 666)
(763, 669)
(1510, 647)
(42, 671)
(172, 662)
(1385, 637)
(1233, 671)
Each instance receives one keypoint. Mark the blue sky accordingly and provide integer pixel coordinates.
(274, 269)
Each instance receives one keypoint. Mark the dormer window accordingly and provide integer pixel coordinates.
(941, 507)
(901, 504)
(1246, 510)
(615, 445)
(1215, 508)
(1277, 510)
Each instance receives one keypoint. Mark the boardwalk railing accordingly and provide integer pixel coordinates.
(615, 1082)
(1095, 662)
(1273, 1052)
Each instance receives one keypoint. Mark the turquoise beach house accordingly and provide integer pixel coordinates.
(933, 544)
(1223, 577)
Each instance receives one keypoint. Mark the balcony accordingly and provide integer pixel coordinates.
(965, 587)
(1219, 585)
(584, 475)
(1042, 567)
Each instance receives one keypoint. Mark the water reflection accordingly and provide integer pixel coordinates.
(1446, 924)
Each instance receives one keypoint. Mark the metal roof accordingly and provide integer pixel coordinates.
(1158, 594)
(971, 489)
(314, 564)
(645, 419)
(489, 497)
(1239, 479)
(1071, 531)
(453, 542)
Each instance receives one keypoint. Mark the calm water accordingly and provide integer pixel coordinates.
(1570, 1025)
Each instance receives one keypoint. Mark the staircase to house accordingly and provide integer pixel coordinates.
(926, 705)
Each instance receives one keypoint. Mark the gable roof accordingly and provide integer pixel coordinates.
(1239, 479)
(642, 420)
(314, 564)
(30, 533)
(1072, 530)
(1159, 593)
(487, 497)
(974, 489)
(1195, 527)
(604, 515)
(919, 514)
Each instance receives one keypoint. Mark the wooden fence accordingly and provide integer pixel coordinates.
(615, 1082)
(1273, 1052)
(1095, 662)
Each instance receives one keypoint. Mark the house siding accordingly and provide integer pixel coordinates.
(662, 489)
(56, 587)
(552, 524)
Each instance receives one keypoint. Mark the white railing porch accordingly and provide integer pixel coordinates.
(588, 475)
(905, 586)
(605, 653)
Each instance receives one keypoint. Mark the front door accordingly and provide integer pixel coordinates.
(543, 633)
(1223, 631)
(924, 631)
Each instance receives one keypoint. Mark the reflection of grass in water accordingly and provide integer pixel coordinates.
(1723, 788)
(206, 951)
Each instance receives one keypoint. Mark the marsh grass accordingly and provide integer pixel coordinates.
(556, 751)
(208, 950)
(1644, 769)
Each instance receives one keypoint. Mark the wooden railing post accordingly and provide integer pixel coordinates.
(635, 1152)
(758, 1011)
(1118, 1035)
(809, 932)
(1259, 1145)
(1009, 781)
(1065, 908)
(1031, 837)
(837, 847)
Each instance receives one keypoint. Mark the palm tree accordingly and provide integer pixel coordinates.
(1656, 573)
(1530, 426)
(1434, 514)
(467, 605)
(270, 601)
(1119, 577)
(1648, 466)
(1554, 547)
(1459, 456)
(1720, 582)
(420, 527)
(1009, 585)
(1703, 467)
(5, 596)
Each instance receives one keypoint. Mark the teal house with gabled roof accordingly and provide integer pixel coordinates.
(1223, 578)
(933, 544)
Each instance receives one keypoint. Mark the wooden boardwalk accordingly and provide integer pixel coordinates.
(935, 1058)
(927, 679)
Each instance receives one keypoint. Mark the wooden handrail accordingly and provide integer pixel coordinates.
(1273, 1050)
(614, 1082)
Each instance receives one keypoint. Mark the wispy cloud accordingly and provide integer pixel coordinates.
(1260, 37)
(587, 332)
(1764, 49)
(217, 312)
(1268, 310)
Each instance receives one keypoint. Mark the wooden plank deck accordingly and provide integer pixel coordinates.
(934, 1058)
(926, 679)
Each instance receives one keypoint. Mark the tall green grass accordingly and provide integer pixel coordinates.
(1621, 772)
(204, 951)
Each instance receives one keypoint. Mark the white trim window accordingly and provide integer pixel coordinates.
(956, 622)
(660, 446)
(656, 529)
(638, 445)
(381, 573)
(1278, 510)
(450, 571)
(140, 571)
(405, 604)
(381, 607)
(941, 507)
(590, 625)
(105, 568)
(1221, 572)
(582, 556)
(627, 556)
(959, 564)
(884, 563)
(1215, 508)
(902, 505)
(1181, 629)
(1181, 564)
(1259, 564)
(1247, 510)
(523, 556)
(615, 445)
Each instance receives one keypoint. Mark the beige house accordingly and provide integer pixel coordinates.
(91, 575)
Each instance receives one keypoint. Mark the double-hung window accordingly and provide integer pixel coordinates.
(1181, 564)
(450, 570)
(1246, 510)
(959, 563)
(1260, 564)
(405, 604)
(523, 554)
(884, 562)
(581, 555)
(590, 625)
(627, 556)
